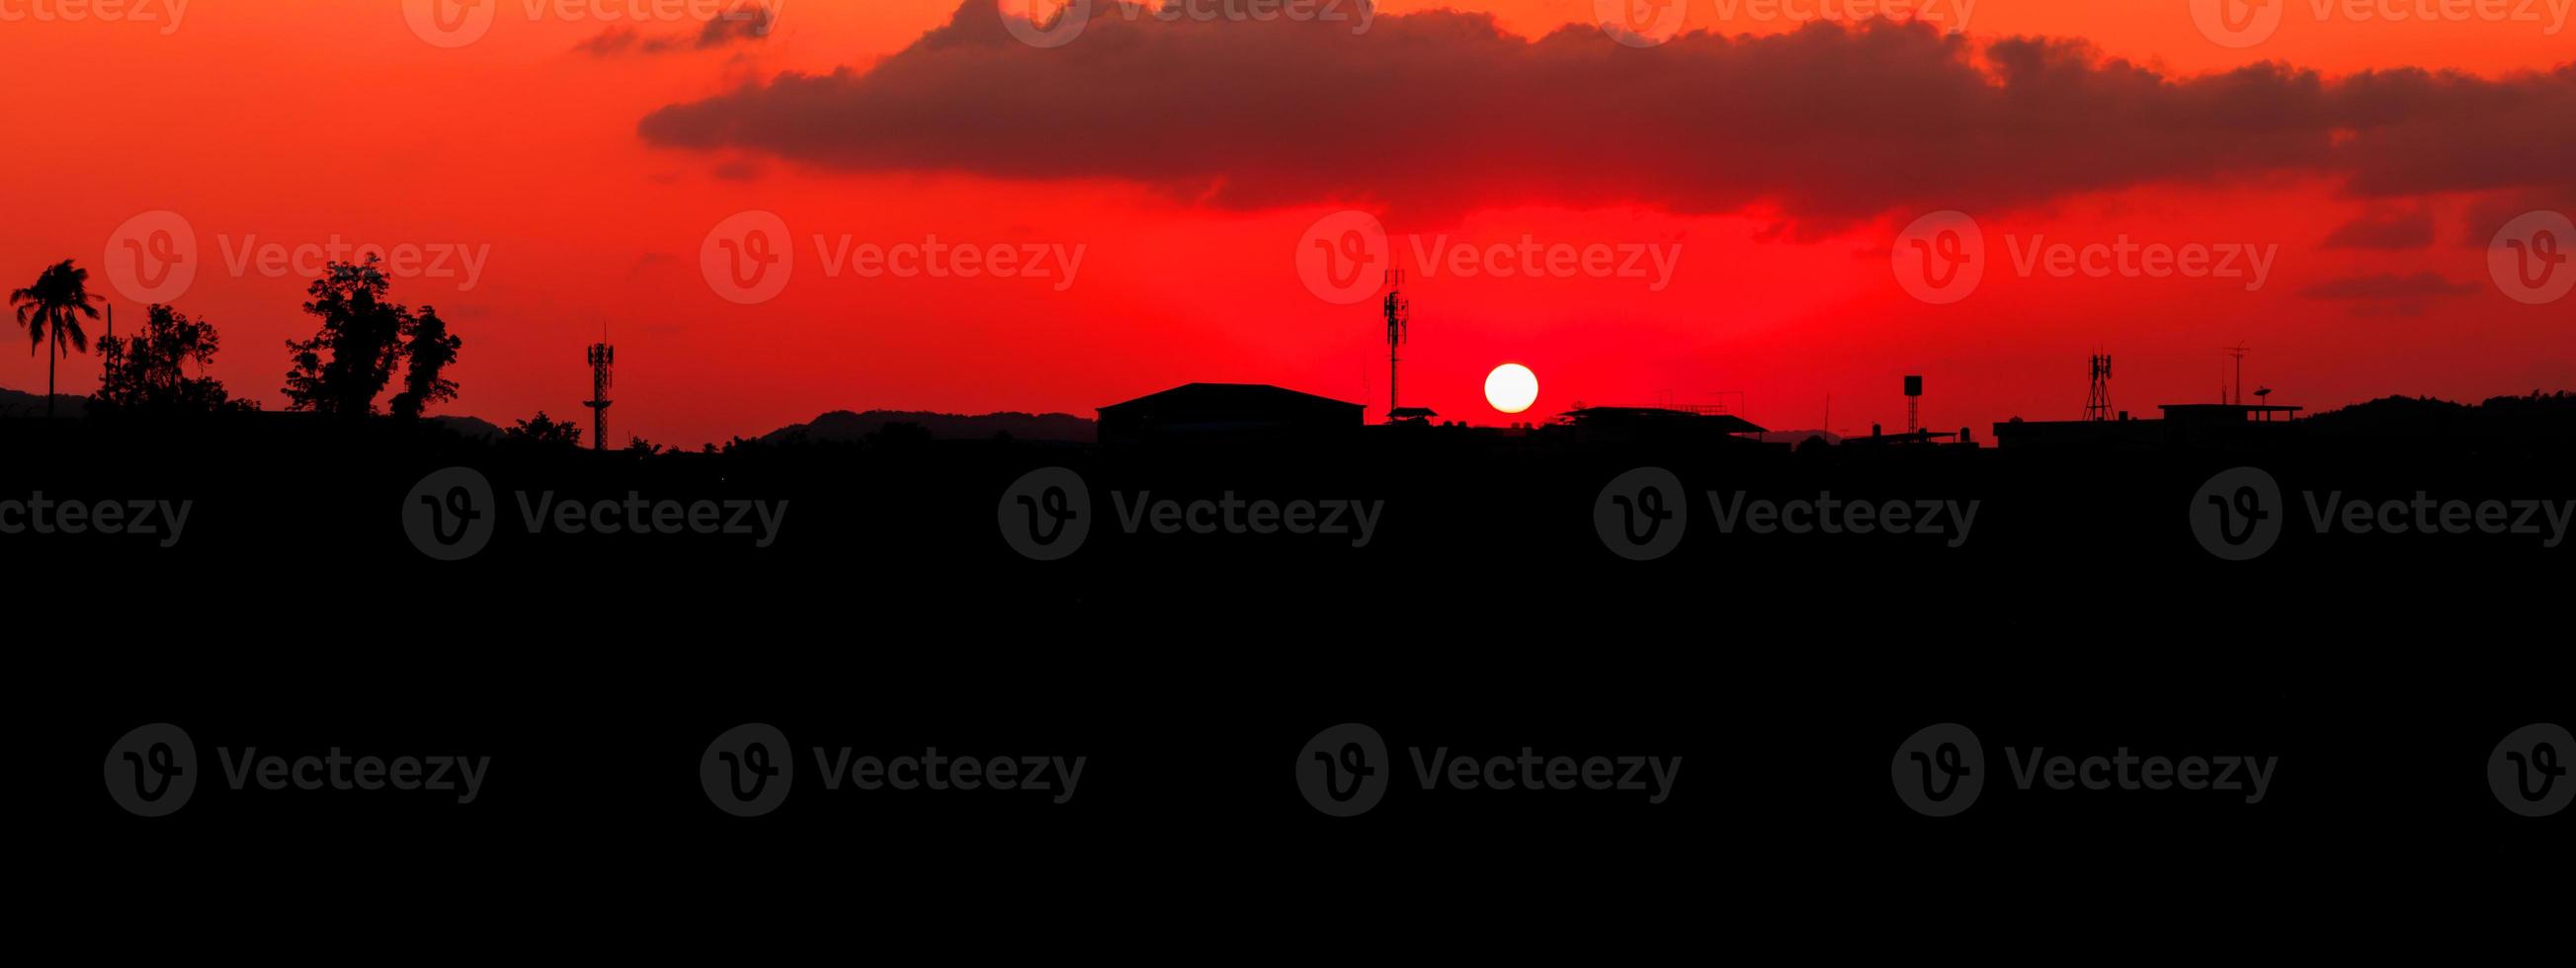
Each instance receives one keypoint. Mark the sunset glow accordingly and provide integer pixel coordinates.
(964, 221)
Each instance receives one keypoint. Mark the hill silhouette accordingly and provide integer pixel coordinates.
(2537, 419)
(471, 428)
(19, 403)
(843, 426)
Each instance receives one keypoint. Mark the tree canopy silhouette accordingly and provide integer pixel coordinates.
(53, 307)
(148, 371)
(363, 338)
(543, 433)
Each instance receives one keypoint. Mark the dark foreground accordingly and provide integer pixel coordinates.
(1488, 612)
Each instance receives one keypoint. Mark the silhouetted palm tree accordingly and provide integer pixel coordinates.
(53, 307)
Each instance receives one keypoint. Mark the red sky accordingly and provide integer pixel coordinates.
(586, 156)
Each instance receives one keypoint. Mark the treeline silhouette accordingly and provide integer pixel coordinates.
(362, 340)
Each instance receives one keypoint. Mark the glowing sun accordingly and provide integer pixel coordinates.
(1511, 388)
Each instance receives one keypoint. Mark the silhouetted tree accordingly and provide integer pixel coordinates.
(543, 432)
(148, 371)
(639, 445)
(363, 338)
(53, 307)
(431, 349)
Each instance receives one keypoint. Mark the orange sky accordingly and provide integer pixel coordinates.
(292, 122)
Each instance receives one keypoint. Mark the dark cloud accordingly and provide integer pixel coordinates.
(743, 23)
(1435, 113)
(2385, 230)
(2389, 286)
(2388, 295)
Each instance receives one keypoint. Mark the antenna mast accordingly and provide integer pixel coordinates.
(2097, 404)
(2238, 351)
(1399, 316)
(603, 363)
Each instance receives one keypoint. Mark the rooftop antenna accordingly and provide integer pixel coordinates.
(2097, 404)
(1399, 317)
(2238, 351)
(603, 363)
